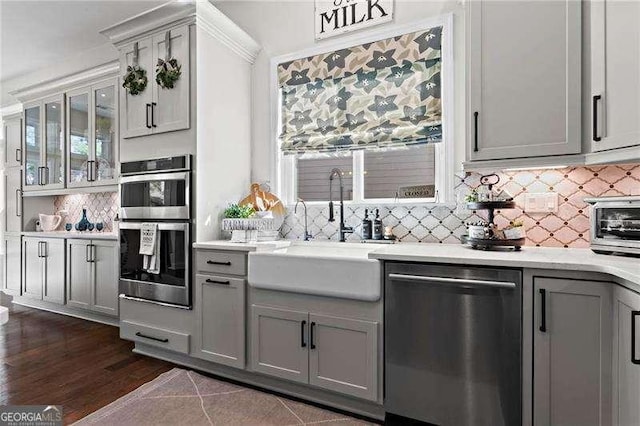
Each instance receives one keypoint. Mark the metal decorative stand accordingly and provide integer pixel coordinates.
(490, 207)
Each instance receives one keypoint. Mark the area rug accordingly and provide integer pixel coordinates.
(182, 397)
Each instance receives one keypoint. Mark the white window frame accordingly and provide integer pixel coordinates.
(284, 167)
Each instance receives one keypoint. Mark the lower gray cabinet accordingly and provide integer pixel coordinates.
(279, 343)
(338, 354)
(342, 355)
(626, 357)
(12, 265)
(92, 275)
(221, 319)
(572, 352)
(43, 269)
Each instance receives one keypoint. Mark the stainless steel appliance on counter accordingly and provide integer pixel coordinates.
(156, 191)
(453, 344)
(615, 225)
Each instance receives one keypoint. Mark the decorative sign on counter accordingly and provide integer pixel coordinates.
(417, 191)
(334, 17)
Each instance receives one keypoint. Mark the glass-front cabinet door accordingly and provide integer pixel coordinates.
(105, 133)
(54, 142)
(32, 144)
(92, 135)
(78, 140)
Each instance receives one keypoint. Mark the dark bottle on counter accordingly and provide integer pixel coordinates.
(366, 226)
(377, 226)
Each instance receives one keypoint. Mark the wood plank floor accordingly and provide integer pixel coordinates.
(52, 359)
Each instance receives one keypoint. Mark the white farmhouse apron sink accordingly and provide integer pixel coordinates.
(320, 268)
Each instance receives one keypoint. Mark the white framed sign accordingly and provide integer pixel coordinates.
(334, 17)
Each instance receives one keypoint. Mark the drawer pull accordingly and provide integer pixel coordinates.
(634, 360)
(312, 340)
(151, 337)
(213, 262)
(217, 282)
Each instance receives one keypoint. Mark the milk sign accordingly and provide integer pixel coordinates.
(335, 17)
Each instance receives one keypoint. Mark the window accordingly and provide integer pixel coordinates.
(379, 111)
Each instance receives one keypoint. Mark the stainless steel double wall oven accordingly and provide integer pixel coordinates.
(156, 191)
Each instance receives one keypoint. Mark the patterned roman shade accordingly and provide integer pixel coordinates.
(377, 95)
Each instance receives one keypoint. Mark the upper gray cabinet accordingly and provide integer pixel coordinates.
(92, 134)
(43, 139)
(156, 109)
(524, 88)
(13, 142)
(615, 74)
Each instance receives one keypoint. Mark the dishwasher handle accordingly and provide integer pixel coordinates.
(459, 282)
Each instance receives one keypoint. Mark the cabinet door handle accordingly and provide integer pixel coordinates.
(89, 171)
(39, 175)
(90, 253)
(39, 248)
(217, 282)
(44, 249)
(213, 262)
(93, 253)
(312, 341)
(634, 360)
(543, 310)
(153, 119)
(18, 155)
(144, 336)
(46, 175)
(303, 325)
(475, 131)
(596, 136)
(147, 116)
(18, 202)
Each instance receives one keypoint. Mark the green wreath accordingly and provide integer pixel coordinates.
(135, 80)
(167, 73)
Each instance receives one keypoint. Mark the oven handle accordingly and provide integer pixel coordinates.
(161, 226)
(155, 177)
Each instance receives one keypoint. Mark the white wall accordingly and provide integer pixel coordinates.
(286, 27)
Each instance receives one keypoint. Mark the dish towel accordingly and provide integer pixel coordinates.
(150, 247)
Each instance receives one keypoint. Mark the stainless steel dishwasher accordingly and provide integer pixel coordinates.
(453, 344)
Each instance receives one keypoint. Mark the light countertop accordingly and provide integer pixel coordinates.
(247, 247)
(73, 234)
(625, 268)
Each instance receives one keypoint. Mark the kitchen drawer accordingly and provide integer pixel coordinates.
(154, 336)
(221, 262)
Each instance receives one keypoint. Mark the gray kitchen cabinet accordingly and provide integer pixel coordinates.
(32, 268)
(12, 264)
(615, 74)
(92, 114)
(156, 109)
(13, 142)
(524, 89)
(13, 194)
(92, 275)
(279, 343)
(626, 357)
(44, 269)
(78, 273)
(220, 316)
(334, 353)
(572, 352)
(342, 355)
(44, 142)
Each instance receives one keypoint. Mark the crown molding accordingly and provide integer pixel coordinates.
(227, 32)
(61, 84)
(11, 110)
(166, 14)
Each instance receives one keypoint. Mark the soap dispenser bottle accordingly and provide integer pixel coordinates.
(366, 226)
(377, 226)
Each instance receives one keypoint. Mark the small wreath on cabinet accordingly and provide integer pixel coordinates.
(135, 80)
(168, 72)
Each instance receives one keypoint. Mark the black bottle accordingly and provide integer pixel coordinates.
(377, 226)
(366, 226)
